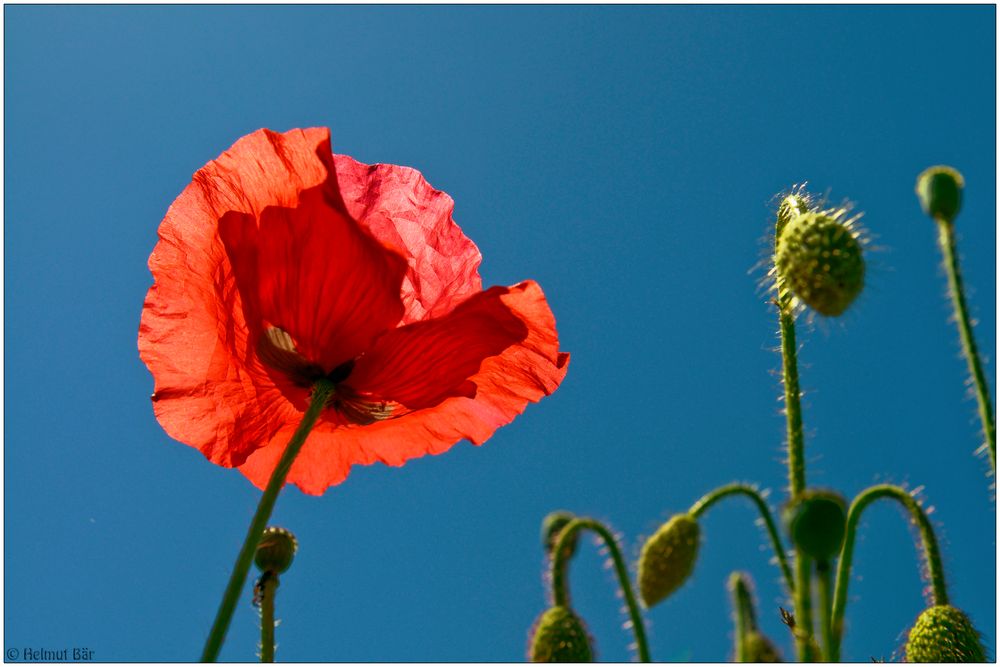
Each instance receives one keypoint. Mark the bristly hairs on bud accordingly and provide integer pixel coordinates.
(552, 526)
(803, 289)
(944, 633)
(668, 558)
(559, 635)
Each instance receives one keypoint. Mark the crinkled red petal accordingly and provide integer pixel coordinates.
(313, 272)
(422, 364)
(210, 391)
(522, 373)
(402, 210)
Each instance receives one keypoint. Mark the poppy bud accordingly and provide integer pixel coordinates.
(940, 192)
(276, 550)
(817, 522)
(819, 259)
(790, 207)
(552, 527)
(560, 636)
(668, 558)
(759, 648)
(944, 634)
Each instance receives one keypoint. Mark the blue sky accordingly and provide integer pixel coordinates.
(626, 158)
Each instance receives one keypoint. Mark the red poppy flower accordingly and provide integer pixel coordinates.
(282, 263)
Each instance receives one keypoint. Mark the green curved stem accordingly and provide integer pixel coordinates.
(560, 591)
(712, 497)
(932, 555)
(946, 239)
(269, 588)
(321, 393)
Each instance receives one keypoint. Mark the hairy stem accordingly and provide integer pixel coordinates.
(946, 239)
(796, 473)
(793, 205)
(560, 591)
(712, 497)
(268, 590)
(932, 556)
(321, 393)
(793, 405)
(824, 573)
(745, 618)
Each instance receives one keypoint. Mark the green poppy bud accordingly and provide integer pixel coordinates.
(944, 634)
(791, 206)
(552, 526)
(817, 521)
(940, 192)
(276, 550)
(667, 558)
(759, 648)
(819, 259)
(560, 636)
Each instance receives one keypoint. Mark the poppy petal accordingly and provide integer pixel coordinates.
(210, 391)
(400, 208)
(523, 372)
(422, 364)
(316, 275)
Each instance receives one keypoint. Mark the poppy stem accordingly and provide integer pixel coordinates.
(946, 239)
(792, 205)
(796, 471)
(321, 393)
(743, 614)
(824, 573)
(932, 555)
(560, 591)
(268, 591)
(712, 497)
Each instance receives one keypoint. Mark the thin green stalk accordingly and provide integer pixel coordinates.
(824, 572)
(796, 473)
(804, 643)
(269, 588)
(793, 405)
(946, 239)
(560, 591)
(791, 206)
(321, 393)
(712, 497)
(932, 556)
(745, 618)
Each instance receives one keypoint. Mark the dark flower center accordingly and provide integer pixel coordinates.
(277, 350)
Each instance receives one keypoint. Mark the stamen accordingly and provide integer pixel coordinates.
(277, 349)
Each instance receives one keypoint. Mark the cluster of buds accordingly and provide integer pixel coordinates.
(819, 264)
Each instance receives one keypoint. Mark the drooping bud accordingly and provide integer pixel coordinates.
(759, 648)
(940, 192)
(944, 634)
(276, 550)
(817, 521)
(552, 526)
(667, 558)
(819, 259)
(560, 636)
